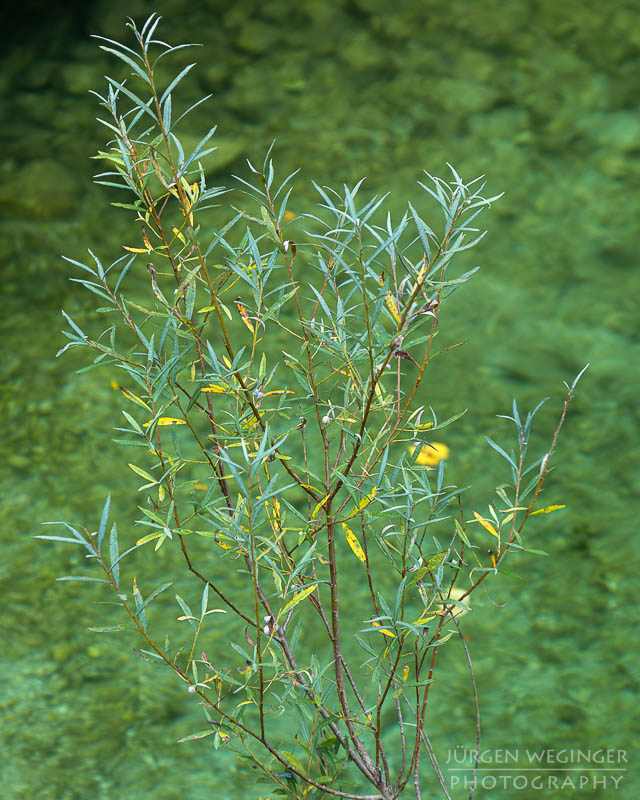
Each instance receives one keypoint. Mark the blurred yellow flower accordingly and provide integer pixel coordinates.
(457, 611)
(431, 454)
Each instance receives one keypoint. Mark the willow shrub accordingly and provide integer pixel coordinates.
(270, 390)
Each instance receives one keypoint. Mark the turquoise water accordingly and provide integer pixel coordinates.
(543, 99)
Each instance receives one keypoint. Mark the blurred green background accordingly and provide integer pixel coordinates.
(540, 96)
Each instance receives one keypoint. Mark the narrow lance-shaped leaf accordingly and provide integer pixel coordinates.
(137, 596)
(547, 510)
(175, 82)
(204, 601)
(188, 614)
(298, 598)
(195, 736)
(135, 67)
(486, 524)
(354, 544)
(103, 521)
(113, 555)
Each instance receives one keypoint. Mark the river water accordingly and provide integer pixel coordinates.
(542, 98)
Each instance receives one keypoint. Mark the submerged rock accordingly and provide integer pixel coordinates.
(41, 190)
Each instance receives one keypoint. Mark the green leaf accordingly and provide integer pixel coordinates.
(204, 601)
(271, 228)
(293, 761)
(137, 596)
(59, 539)
(133, 423)
(186, 611)
(144, 107)
(199, 152)
(511, 574)
(113, 554)
(537, 552)
(499, 450)
(143, 474)
(195, 736)
(103, 521)
(113, 628)
(461, 533)
(175, 82)
(73, 325)
(135, 67)
(153, 595)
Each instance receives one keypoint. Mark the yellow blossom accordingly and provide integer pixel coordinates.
(431, 454)
(457, 611)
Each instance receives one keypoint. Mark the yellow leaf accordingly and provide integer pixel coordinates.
(298, 598)
(319, 506)
(486, 524)
(405, 673)
(146, 241)
(354, 544)
(419, 575)
(177, 233)
(424, 426)
(393, 307)
(422, 274)
(384, 630)
(436, 560)
(149, 537)
(136, 249)
(134, 397)
(244, 315)
(310, 486)
(422, 620)
(165, 421)
(547, 510)
(214, 388)
(365, 500)
(274, 518)
(390, 302)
